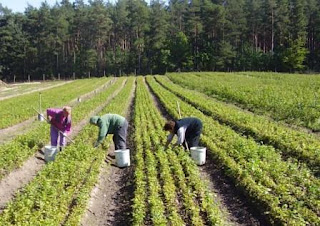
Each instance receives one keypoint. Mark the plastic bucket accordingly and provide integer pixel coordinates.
(40, 117)
(50, 153)
(122, 157)
(198, 154)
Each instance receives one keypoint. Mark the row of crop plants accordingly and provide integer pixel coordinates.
(59, 193)
(14, 153)
(286, 192)
(24, 88)
(290, 142)
(18, 109)
(288, 97)
(168, 187)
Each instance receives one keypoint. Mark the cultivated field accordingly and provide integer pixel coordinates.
(260, 131)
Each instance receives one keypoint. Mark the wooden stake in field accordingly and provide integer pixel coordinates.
(40, 102)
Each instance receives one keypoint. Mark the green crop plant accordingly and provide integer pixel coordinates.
(259, 169)
(287, 97)
(288, 141)
(174, 185)
(58, 194)
(14, 153)
(18, 109)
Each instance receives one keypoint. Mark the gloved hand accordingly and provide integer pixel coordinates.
(64, 134)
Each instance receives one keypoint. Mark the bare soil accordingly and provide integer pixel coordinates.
(110, 202)
(237, 208)
(18, 178)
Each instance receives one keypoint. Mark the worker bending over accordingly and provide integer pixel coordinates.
(111, 124)
(60, 120)
(188, 131)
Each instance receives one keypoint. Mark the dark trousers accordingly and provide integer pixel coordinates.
(120, 136)
(193, 136)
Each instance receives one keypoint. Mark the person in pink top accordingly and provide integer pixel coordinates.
(60, 119)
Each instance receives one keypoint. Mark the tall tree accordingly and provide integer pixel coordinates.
(13, 46)
(254, 20)
(120, 37)
(99, 33)
(138, 26)
(157, 49)
(295, 54)
(195, 29)
(180, 54)
(177, 10)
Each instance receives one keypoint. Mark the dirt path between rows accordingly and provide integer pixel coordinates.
(10, 133)
(18, 178)
(110, 202)
(35, 90)
(234, 205)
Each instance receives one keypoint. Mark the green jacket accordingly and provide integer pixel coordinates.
(107, 125)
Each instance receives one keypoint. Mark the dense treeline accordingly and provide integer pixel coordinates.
(133, 37)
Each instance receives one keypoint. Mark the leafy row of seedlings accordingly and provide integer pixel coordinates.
(18, 109)
(58, 194)
(290, 142)
(288, 97)
(286, 191)
(123, 97)
(172, 178)
(14, 153)
(186, 168)
(147, 185)
(22, 89)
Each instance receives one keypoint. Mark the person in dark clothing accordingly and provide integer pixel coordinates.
(111, 124)
(188, 131)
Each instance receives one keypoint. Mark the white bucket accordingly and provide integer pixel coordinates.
(50, 153)
(122, 157)
(198, 154)
(40, 117)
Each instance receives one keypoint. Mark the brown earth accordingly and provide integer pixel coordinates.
(110, 202)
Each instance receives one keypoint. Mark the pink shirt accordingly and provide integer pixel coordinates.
(58, 120)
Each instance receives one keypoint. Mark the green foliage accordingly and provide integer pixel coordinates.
(293, 143)
(19, 109)
(58, 194)
(225, 56)
(180, 54)
(283, 189)
(19, 149)
(170, 174)
(130, 36)
(295, 55)
(283, 97)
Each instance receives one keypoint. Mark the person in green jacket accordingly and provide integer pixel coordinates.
(111, 124)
